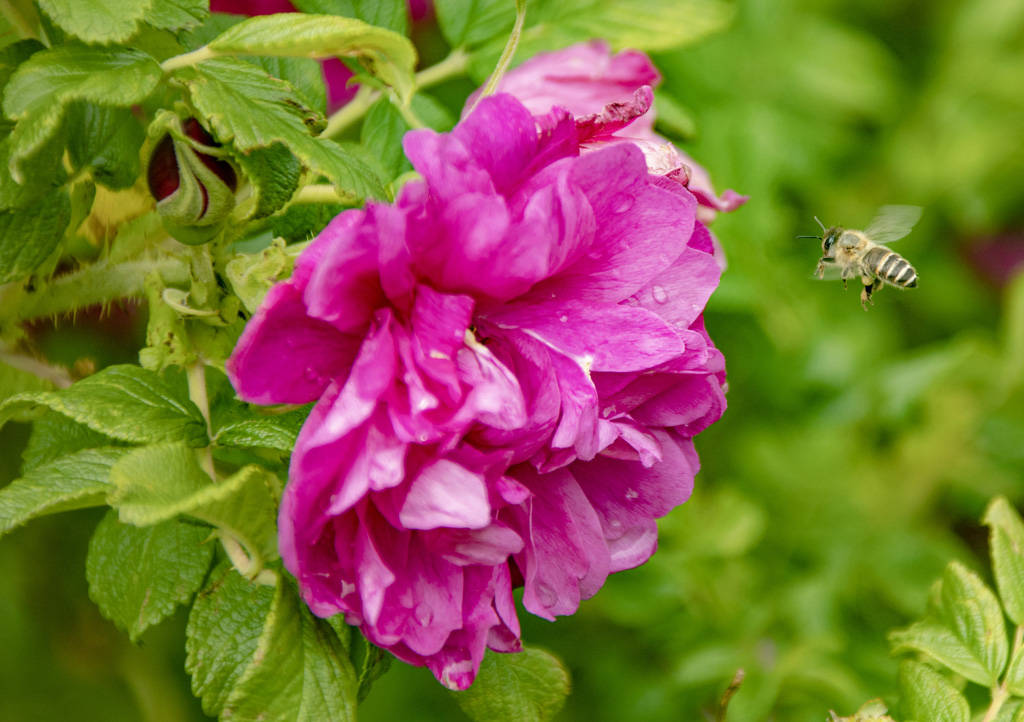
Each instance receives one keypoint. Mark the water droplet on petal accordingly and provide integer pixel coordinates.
(424, 614)
(632, 494)
(563, 318)
(622, 203)
(659, 293)
(546, 595)
(311, 375)
(615, 530)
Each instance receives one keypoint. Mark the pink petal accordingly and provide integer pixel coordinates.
(445, 494)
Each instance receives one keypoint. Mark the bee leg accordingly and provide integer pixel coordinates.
(865, 294)
(820, 270)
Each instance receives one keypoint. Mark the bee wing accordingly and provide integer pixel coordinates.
(832, 273)
(892, 223)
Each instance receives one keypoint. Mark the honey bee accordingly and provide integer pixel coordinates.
(862, 253)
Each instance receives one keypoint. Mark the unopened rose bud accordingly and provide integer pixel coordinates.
(194, 191)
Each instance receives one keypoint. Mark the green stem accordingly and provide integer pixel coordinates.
(320, 193)
(97, 283)
(455, 64)
(185, 59)
(196, 374)
(410, 118)
(56, 375)
(1001, 693)
(506, 55)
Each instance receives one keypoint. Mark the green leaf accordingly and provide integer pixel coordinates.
(156, 483)
(304, 75)
(269, 432)
(75, 481)
(177, 14)
(246, 107)
(928, 696)
(390, 14)
(972, 611)
(97, 21)
(941, 644)
(107, 140)
(223, 634)
(125, 402)
(54, 435)
(14, 55)
(469, 22)
(382, 133)
(300, 671)
(302, 221)
(138, 577)
(274, 173)
(29, 235)
(41, 88)
(385, 54)
(530, 686)
(44, 171)
(1014, 678)
(1006, 544)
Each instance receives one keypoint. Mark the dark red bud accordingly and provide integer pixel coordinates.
(223, 169)
(163, 170)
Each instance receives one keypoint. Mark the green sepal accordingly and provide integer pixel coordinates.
(138, 577)
(251, 275)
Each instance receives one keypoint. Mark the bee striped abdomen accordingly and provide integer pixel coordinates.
(890, 267)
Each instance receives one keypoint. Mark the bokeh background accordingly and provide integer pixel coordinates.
(858, 451)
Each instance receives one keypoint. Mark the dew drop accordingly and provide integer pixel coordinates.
(424, 614)
(311, 375)
(659, 293)
(546, 595)
(615, 530)
(632, 494)
(622, 203)
(563, 318)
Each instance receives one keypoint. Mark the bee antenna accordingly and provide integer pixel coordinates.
(817, 238)
(823, 229)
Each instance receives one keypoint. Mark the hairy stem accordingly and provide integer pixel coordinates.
(56, 375)
(1001, 693)
(320, 193)
(98, 283)
(355, 109)
(196, 374)
(506, 55)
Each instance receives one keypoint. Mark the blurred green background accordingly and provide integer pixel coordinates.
(858, 450)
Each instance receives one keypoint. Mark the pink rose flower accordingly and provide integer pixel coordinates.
(509, 363)
(605, 93)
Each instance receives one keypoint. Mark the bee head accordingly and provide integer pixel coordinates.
(828, 240)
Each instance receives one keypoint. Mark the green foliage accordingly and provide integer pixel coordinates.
(255, 652)
(964, 631)
(138, 577)
(123, 402)
(75, 481)
(529, 686)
